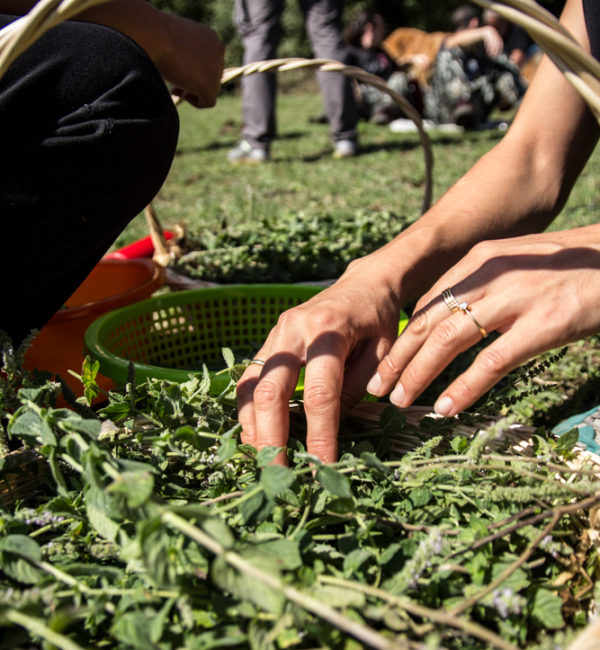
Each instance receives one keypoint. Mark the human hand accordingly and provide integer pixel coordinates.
(192, 61)
(492, 41)
(340, 335)
(538, 291)
(420, 61)
(188, 54)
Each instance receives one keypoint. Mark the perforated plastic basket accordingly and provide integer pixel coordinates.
(171, 336)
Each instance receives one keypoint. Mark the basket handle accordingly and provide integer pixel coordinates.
(326, 65)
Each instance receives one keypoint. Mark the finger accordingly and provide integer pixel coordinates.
(270, 402)
(361, 365)
(491, 364)
(446, 341)
(322, 389)
(244, 395)
(406, 346)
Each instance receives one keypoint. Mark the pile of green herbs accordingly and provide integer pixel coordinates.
(159, 529)
(293, 247)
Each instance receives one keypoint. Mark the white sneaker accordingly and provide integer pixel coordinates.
(345, 149)
(245, 152)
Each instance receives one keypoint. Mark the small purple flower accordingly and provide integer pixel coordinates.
(506, 602)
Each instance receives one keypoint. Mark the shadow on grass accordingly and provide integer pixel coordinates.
(228, 143)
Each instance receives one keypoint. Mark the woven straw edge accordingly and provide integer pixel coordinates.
(519, 436)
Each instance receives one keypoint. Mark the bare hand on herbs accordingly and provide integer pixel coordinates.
(538, 291)
(340, 335)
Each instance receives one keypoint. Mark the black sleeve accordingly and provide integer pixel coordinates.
(591, 11)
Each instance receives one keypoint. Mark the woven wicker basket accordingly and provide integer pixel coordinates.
(25, 473)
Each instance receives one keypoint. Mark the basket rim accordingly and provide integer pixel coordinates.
(118, 367)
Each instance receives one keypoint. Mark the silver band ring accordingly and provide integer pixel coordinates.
(257, 362)
(450, 300)
(467, 310)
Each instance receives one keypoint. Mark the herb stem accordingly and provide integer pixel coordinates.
(583, 505)
(45, 529)
(438, 616)
(319, 608)
(61, 575)
(36, 626)
(492, 586)
(558, 514)
(247, 494)
(302, 521)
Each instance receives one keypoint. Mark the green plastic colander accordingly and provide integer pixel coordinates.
(173, 335)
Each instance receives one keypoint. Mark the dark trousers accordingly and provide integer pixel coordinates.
(87, 136)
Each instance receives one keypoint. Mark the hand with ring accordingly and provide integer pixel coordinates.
(538, 291)
(340, 335)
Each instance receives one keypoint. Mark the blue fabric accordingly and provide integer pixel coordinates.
(587, 435)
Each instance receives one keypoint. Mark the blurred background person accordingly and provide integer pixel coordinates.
(519, 47)
(472, 75)
(259, 25)
(364, 36)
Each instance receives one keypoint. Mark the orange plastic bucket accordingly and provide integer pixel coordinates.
(113, 283)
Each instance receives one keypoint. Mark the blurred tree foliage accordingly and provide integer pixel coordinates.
(425, 14)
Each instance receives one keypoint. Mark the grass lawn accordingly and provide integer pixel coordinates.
(205, 193)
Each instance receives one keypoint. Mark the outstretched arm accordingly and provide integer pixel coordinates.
(188, 54)
(488, 35)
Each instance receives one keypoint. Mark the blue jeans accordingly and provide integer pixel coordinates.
(88, 132)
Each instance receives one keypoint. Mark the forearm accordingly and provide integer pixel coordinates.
(499, 197)
(132, 17)
(516, 189)
(138, 19)
(466, 37)
(188, 54)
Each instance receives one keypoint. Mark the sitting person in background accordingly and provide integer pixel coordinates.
(516, 41)
(472, 76)
(364, 36)
(416, 49)
(519, 47)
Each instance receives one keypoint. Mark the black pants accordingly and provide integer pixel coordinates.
(87, 136)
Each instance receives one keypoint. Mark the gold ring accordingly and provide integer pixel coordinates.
(467, 310)
(450, 300)
(257, 362)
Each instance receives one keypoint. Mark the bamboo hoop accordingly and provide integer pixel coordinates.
(16, 37)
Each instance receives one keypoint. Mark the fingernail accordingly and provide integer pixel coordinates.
(444, 406)
(397, 395)
(374, 385)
